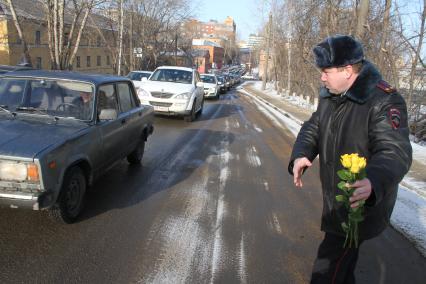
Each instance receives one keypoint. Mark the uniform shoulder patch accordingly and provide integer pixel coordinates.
(386, 87)
(394, 117)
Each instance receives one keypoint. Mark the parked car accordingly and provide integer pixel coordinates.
(211, 87)
(174, 90)
(221, 81)
(60, 131)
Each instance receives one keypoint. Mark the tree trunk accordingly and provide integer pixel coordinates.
(26, 52)
(416, 56)
(362, 18)
(382, 52)
(265, 70)
(55, 34)
(78, 39)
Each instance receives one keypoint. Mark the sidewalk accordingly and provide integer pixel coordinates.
(409, 215)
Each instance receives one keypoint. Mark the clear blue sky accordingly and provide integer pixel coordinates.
(246, 14)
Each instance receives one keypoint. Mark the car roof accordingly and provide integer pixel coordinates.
(140, 71)
(9, 68)
(95, 79)
(176, 67)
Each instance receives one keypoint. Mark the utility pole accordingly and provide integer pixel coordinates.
(176, 47)
(120, 51)
(289, 9)
(268, 42)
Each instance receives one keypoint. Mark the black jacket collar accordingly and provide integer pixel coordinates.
(363, 86)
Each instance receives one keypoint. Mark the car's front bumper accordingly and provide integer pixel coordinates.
(169, 107)
(35, 201)
(210, 93)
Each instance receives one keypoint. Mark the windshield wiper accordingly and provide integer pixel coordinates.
(5, 108)
(31, 109)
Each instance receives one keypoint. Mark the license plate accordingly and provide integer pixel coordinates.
(161, 108)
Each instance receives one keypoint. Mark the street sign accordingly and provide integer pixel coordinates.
(137, 50)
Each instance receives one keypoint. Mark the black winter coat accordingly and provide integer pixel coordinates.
(371, 120)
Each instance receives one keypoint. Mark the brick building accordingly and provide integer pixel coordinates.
(215, 50)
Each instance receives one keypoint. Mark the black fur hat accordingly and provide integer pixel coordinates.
(338, 51)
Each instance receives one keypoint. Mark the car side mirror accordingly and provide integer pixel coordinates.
(144, 79)
(200, 84)
(108, 114)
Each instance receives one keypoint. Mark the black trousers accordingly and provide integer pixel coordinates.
(334, 264)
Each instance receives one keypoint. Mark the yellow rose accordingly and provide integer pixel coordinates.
(346, 161)
(362, 163)
(355, 168)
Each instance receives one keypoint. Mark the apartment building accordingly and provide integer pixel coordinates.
(92, 55)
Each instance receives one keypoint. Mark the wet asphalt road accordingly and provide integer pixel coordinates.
(212, 203)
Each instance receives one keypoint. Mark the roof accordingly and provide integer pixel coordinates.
(95, 79)
(35, 10)
(202, 42)
(176, 67)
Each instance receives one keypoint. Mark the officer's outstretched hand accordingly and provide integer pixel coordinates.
(362, 191)
(299, 165)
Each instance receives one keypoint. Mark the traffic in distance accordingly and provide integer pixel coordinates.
(61, 131)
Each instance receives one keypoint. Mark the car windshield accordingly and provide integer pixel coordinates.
(48, 97)
(172, 75)
(137, 76)
(221, 79)
(208, 79)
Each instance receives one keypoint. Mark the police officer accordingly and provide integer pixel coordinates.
(360, 113)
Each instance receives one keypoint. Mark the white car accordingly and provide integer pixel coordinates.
(211, 87)
(174, 90)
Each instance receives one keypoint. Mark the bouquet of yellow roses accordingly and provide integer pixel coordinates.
(354, 169)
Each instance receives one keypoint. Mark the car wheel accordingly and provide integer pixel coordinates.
(135, 157)
(71, 198)
(191, 116)
(201, 108)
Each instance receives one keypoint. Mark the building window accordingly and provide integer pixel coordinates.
(38, 62)
(108, 62)
(88, 61)
(18, 40)
(98, 60)
(98, 41)
(37, 37)
(78, 61)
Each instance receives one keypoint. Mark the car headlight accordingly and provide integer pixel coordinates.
(184, 96)
(18, 171)
(143, 93)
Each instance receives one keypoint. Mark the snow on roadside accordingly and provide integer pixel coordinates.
(409, 215)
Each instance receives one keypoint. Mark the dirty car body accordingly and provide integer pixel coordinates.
(59, 131)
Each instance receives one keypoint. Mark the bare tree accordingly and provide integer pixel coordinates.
(20, 33)
(64, 38)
